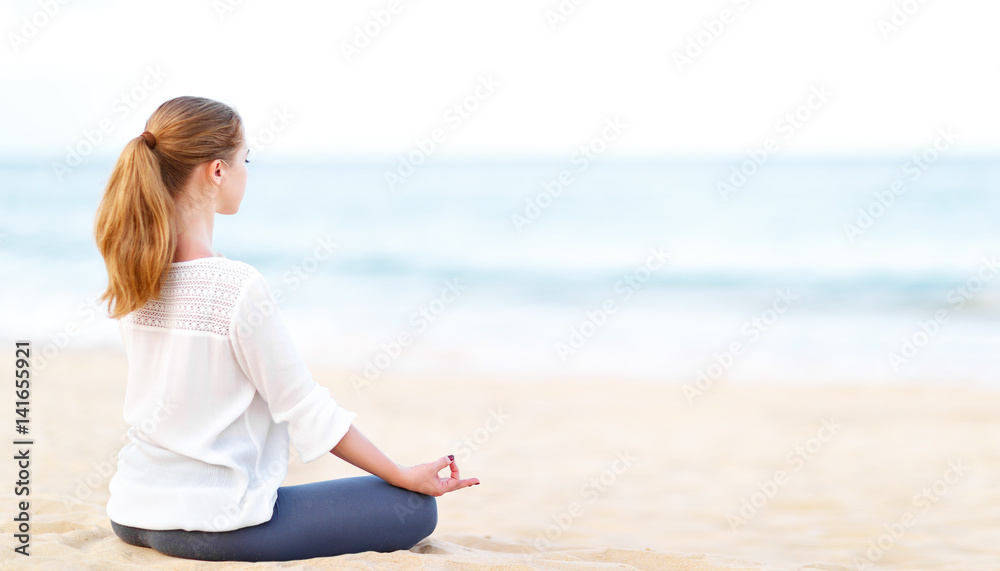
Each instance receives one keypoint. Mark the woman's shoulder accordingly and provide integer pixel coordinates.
(202, 294)
(214, 269)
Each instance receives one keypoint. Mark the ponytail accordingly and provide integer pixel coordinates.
(134, 227)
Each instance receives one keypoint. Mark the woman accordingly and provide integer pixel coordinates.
(216, 387)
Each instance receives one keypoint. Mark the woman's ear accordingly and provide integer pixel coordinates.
(216, 172)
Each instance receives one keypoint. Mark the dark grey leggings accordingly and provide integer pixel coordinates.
(321, 519)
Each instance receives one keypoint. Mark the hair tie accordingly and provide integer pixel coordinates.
(150, 139)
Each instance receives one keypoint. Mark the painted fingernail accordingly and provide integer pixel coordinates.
(451, 457)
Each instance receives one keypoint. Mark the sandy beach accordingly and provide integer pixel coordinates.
(586, 475)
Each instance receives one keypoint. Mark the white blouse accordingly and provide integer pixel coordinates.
(215, 389)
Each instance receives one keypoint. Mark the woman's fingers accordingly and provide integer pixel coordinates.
(443, 462)
(452, 485)
(454, 481)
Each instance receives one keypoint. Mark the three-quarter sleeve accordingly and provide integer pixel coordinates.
(269, 358)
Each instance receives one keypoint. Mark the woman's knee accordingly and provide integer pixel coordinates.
(418, 514)
(429, 517)
(411, 511)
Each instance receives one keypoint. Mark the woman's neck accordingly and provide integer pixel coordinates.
(194, 234)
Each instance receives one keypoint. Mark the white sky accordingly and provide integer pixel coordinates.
(557, 87)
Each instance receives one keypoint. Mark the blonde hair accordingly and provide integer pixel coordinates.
(134, 227)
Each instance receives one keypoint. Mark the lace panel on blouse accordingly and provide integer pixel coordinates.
(196, 297)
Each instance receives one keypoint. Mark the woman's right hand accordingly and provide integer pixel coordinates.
(424, 478)
(357, 450)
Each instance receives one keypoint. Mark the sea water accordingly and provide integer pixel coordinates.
(821, 270)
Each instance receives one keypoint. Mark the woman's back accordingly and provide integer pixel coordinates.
(211, 367)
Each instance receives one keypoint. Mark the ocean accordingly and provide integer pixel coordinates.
(668, 271)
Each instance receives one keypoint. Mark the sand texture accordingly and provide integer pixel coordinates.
(591, 475)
